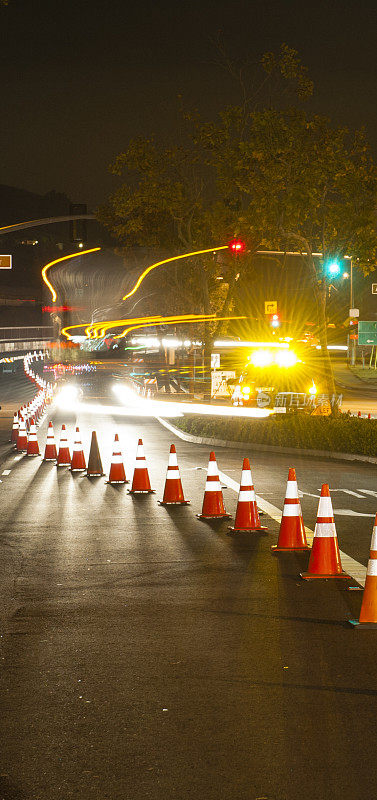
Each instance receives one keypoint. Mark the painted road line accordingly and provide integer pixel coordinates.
(346, 491)
(348, 512)
(353, 568)
(6, 472)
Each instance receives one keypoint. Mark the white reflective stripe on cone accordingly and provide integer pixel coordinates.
(291, 510)
(373, 544)
(246, 479)
(213, 486)
(246, 496)
(292, 491)
(372, 567)
(173, 460)
(140, 451)
(325, 507)
(117, 458)
(212, 468)
(325, 530)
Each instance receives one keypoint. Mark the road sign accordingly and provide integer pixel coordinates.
(270, 306)
(5, 262)
(219, 383)
(215, 360)
(354, 312)
(367, 332)
(374, 288)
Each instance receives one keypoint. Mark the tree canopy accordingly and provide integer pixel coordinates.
(267, 170)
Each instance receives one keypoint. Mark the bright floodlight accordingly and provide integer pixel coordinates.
(67, 398)
(313, 389)
(286, 358)
(261, 358)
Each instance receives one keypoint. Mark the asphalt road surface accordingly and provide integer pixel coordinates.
(147, 654)
(358, 395)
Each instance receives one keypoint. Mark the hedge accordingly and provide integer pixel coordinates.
(342, 434)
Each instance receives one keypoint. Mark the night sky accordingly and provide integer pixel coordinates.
(80, 77)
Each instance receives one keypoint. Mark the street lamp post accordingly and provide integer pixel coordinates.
(352, 341)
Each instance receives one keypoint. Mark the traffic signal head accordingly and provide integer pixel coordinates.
(236, 246)
(275, 321)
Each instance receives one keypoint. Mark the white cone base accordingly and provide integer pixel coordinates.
(214, 516)
(116, 483)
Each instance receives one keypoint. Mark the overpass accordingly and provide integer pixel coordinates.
(34, 223)
(18, 339)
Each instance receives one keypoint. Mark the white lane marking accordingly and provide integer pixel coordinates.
(18, 458)
(368, 491)
(6, 472)
(347, 512)
(346, 491)
(308, 494)
(353, 568)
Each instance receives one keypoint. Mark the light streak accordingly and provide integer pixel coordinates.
(58, 261)
(164, 408)
(118, 323)
(167, 261)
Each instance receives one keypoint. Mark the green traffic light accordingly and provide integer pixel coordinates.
(333, 268)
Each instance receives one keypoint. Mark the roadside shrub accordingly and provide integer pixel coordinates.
(342, 434)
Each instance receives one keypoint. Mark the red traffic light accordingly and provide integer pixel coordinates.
(236, 246)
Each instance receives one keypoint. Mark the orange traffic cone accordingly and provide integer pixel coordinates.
(50, 449)
(247, 516)
(368, 613)
(213, 502)
(140, 482)
(78, 459)
(22, 437)
(292, 534)
(94, 468)
(64, 458)
(14, 433)
(117, 472)
(324, 559)
(173, 492)
(32, 444)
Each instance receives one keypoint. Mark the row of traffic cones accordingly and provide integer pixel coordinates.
(325, 561)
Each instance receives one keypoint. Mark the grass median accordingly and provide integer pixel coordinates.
(341, 434)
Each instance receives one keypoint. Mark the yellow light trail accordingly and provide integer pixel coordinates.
(58, 261)
(101, 328)
(176, 322)
(141, 322)
(117, 323)
(167, 261)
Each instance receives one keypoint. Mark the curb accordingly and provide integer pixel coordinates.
(267, 448)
